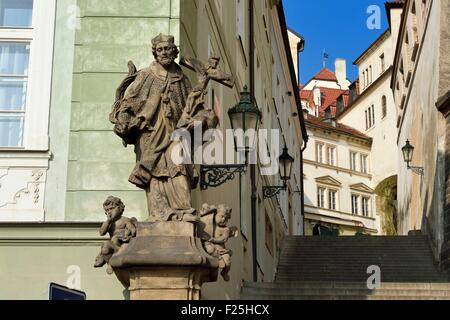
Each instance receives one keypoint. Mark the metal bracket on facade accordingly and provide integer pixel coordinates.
(271, 191)
(216, 175)
(417, 170)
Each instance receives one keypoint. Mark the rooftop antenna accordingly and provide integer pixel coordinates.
(325, 58)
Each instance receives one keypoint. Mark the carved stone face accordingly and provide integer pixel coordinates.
(113, 211)
(221, 218)
(165, 54)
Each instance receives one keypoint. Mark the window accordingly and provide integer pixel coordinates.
(353, 160)
(383, 106)
(16, 13)
(370, 74)
(365, 206)
(364, 163)
(355, 200)
(332, 199)
(373, 115)
(364, 79)
(321, 197)
(370, 117)
(14, 60)
(26, 39)
(319, 152)
(331, 155)
(383, 66)
(14, 66)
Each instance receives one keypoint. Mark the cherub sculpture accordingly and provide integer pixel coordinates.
(215, 233)
(195, 105)
(121, 230)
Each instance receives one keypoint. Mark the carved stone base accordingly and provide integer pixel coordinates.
(171, 283)
(165, 261)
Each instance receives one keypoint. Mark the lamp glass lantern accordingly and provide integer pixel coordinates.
(285, 161)
(245, 116)
(407, 151)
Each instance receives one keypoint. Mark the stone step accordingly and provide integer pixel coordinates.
(350, 285)
(332, 297)
(347, 292)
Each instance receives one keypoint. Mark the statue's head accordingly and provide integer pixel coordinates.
(214, 61)
(114, 207)
(164, 49)
(223, 215)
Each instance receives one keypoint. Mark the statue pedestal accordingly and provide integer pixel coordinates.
(165, 261)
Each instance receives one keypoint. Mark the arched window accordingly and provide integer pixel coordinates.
(383, 106)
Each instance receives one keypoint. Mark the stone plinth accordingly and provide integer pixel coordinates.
(165, 261)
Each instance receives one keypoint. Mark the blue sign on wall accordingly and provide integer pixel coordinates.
(59, 292)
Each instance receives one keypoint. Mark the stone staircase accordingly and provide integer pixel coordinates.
(314, 268)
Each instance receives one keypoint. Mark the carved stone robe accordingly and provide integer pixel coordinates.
(154, 103)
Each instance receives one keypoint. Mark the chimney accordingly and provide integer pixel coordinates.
(317, 96)
(340, 69)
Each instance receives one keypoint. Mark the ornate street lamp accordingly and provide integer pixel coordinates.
(408, 151)
(244, 118)
(285, 162)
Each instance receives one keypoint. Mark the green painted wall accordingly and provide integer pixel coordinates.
(112, 32)
(34, 255)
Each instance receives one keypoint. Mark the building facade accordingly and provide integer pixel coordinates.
(420, 85)
(55, 171)
(339, 199)
(372, 111)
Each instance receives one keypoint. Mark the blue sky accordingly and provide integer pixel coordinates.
(338, 26)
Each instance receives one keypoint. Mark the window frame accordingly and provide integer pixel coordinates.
(364, 168)
(353, 165)
(334, 155)
(321, 145)
(40, 66)
(355, 205)
(321, 197)
(365, 213)
(335, 192)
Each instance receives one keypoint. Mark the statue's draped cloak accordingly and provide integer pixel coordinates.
(158, 98)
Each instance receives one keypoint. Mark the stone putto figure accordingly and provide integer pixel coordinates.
(215, 233)
(121, 230)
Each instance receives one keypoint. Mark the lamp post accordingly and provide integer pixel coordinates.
(244, 118)
(408, 151)
(285, 163)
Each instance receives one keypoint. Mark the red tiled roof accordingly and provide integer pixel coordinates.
(325, 74)
(329, 97)
(311, 120)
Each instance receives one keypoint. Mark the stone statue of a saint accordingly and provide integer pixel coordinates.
(177, 241)
(150, 104)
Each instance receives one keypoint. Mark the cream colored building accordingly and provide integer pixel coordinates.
(421, 85)
(339, 198)
(373, 112)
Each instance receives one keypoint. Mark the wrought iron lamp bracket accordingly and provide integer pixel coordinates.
(216, 175)
(416, 170)
(272, 191)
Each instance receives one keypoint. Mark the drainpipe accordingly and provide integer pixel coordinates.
(302, 184)
(253, 166)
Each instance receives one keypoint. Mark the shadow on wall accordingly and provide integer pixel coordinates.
(386, 203)
(433, 220)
